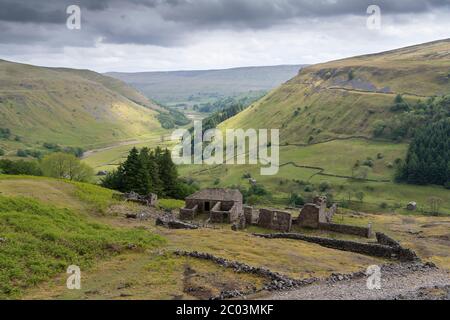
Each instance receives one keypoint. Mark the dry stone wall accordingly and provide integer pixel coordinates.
(347, 229)
(371, 249)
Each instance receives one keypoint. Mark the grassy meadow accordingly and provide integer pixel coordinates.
(337, 159)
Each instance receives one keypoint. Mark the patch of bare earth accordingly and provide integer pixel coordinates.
(428, 284)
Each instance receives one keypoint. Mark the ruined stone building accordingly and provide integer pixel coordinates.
(313, 214)
(222, 205)
(316, 215)
(275, 220)
(268, 218)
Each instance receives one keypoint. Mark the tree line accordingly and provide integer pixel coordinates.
(428, 157)
(56, 165)
(148, 171)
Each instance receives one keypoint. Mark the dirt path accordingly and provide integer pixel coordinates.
(395, 284)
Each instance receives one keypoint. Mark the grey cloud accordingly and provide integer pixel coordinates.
(171, 22)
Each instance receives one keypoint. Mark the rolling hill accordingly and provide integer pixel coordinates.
(191, 87)
(70, 107)
(326, 116)
(346, 97)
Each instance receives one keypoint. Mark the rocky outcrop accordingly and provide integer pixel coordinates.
(148, 200)
(171, 223)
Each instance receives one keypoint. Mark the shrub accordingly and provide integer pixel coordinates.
(400, 105)
(361, 173)
(53, 238)
(324, 186)
(384, 205)
(246, 176)
(252, 200)
(368, 163)
(351, 75)
(2, 152)
(296, 200)
(20, 167)
(5, 133)
(309, 188)
(66, 166)
(21, 153)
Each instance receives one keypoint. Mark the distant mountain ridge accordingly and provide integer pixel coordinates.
(198, 86)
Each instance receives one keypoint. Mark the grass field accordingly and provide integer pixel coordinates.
(110, 157)
(73, 230)
(40, 240)
(336, 158)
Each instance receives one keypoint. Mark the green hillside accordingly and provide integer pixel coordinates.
(346, 97)
(70, 107)
(327, 115)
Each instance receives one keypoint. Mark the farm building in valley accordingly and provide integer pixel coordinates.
(223, 205)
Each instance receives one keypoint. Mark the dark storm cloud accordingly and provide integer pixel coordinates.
(169, 22)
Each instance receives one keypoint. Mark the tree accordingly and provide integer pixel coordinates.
(361, 173)
(147, 171)
(428, 157)
(167, 172)
(129, 171)
(66, 166)
(360, 196)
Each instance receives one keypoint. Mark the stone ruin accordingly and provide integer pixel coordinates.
(313, 214)
(226, 206)
(222, 205)
(268, 218)
(316, 215)
(275, 220)
(150, 200)
(171, 223)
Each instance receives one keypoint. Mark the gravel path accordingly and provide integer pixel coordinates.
(396, 283)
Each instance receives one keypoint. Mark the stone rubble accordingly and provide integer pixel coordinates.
(172, 223)
(279, 282)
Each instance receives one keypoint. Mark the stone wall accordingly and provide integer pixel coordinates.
(313, 214)
(386, 240)
(188, 213)
(371, 249)
(347, 229)
(225, 212)
(275, 220)
(251, 215)
(309, 216)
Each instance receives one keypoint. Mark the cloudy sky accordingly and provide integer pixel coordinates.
(150, 35)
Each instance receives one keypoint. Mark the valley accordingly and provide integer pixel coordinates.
(346, 131)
